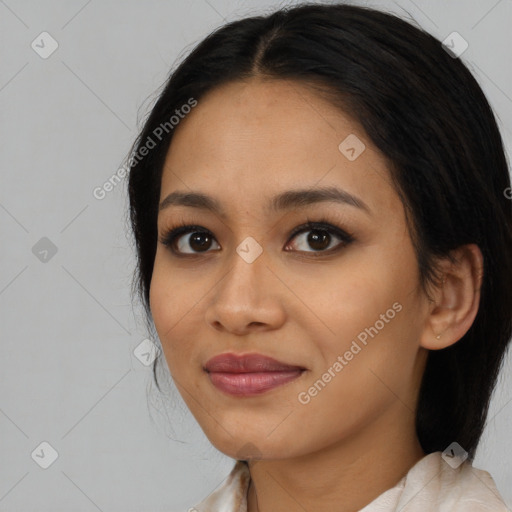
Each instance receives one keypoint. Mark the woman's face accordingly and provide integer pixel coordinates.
(350, 313)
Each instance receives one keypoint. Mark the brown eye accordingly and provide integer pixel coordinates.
(320, 237)
(199, 241)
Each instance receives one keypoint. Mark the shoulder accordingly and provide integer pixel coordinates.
(450, 484)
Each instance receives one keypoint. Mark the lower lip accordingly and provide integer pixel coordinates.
(247, 384)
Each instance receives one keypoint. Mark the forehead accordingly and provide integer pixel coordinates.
(254, 138)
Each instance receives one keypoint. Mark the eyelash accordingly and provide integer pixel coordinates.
(181, 227)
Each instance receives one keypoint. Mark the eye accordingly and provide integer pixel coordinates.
(200, 240)
(321, 237)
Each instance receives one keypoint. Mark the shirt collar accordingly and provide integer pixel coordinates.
(431, 484)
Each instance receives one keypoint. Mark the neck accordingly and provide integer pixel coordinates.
(342, 477)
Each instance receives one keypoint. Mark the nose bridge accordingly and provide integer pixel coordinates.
(247, 266)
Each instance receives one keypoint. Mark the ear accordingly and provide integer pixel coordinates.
(455, 300)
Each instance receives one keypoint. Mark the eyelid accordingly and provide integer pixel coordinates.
(345, 237)
(171, 235)
(321, 225)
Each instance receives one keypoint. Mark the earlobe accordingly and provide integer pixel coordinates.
(456, 300)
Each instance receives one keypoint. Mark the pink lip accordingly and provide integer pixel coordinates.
(249, 374)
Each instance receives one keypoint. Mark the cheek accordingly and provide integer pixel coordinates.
(368, 366)
(169, 309)
(171, 297)
(371, 316)
(353, 294)
(159, 299)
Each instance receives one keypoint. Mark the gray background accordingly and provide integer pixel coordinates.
(68, 372)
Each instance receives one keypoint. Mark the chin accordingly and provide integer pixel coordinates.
(253, 449)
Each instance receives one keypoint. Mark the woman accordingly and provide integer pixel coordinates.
(324, 242)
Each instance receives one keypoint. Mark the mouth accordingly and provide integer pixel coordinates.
(249, 374)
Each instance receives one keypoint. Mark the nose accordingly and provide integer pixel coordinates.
(247, 298)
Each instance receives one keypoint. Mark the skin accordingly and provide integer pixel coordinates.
(242, 144)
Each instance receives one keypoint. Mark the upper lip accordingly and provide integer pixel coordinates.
(247, 363)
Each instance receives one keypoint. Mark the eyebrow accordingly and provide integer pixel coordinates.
(287, 200)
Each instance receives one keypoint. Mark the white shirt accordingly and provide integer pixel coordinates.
(430, 485)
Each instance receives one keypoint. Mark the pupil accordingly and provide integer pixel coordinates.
(317, 241)
(200, 244)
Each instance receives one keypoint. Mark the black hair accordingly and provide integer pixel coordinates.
(426, 113)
